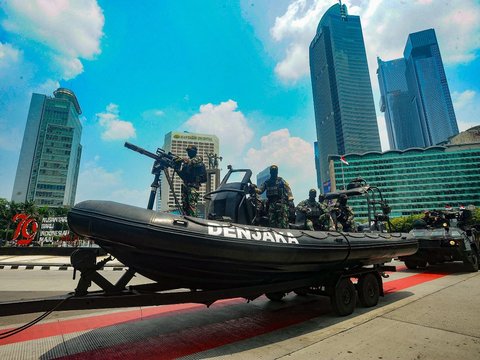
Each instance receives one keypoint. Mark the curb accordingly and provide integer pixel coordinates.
(56, 267)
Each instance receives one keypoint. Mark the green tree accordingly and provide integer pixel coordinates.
(405, 223)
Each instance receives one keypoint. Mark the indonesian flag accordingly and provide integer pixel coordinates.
(342, 159)
(461, 207)
(448, 207)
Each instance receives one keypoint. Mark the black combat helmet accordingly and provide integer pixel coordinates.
(321, 198)
(273, 171)
(191, 151)
(342, 199)
(312, 194)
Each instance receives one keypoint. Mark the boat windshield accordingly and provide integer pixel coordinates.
(236, 176)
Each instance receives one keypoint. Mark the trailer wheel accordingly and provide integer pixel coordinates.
(301, 291)
(422, 264)
(344, 297)
(368, 290)
(411, 264)
(275, 296)
(471, 261)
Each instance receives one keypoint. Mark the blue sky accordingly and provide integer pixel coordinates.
(235, 69)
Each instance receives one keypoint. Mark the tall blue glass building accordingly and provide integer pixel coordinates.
(342, 93)
(401, 117)
(49, 161)
(415, 95)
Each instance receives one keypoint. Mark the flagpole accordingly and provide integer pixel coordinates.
(343, 176)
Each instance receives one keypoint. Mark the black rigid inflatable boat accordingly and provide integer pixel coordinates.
(226, 251)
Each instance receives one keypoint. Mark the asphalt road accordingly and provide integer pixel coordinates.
(430, 314)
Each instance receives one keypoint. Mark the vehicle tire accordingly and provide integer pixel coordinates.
(368, 290)
(344, 297)
(275, 296)
(301, 291)
(411, 264)
(422, 264)
(471, 261)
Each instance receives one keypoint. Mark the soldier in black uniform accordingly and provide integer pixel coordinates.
(279, 199)
(193, 173)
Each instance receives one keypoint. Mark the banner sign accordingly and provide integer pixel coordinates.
(53, 226)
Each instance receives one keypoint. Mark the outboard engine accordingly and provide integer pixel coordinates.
(231, 201)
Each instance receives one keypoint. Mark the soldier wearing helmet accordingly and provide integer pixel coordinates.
(279, 199)
(193, 173)
(342, 215)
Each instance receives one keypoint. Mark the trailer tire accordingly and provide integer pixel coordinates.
(368, 290)
(275, 296)
(471, 261)
(414, 264)
(301, 291)
(411, 264)
(344, 297)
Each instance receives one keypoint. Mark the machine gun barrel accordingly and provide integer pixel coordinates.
(163, 160)
(142, 151)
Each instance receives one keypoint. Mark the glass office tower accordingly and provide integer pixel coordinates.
(49, 161)
(415, 95)
(401, 117)
(342, 93)
(428, 85)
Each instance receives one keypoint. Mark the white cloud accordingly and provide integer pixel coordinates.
(297, 27)
(114, 128)
(226, 122)
(95, 182)
(70, 30)
(153, 114)
(8, 55)
(15, 74)
(467, 109)
(289, 153)
(47, 87)
(463, 99)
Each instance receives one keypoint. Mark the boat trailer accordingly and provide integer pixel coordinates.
(335, 284)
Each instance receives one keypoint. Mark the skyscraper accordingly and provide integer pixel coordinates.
(49, 161)
(422, 115)
(342, 93)
(177, 142)
(401, 117)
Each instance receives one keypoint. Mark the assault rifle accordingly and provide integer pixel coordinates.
(163, 161)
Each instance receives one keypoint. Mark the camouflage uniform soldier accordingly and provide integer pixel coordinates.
(312, 209)
(279, 199)
(325, 219)
(193, 173)
(344, 217)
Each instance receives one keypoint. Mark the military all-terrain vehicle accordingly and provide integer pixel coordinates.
(444, 236)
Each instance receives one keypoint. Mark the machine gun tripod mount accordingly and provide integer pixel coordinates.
(163, 161)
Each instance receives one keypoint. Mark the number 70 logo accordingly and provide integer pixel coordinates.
(26, 229)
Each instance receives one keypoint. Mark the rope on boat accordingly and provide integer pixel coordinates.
(15, 331)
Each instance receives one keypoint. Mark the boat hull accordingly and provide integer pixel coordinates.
(180, 251)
